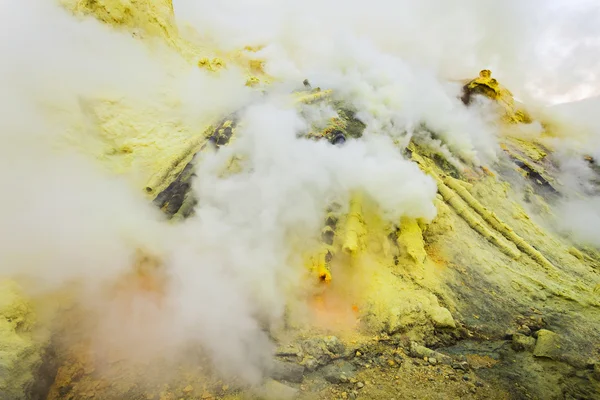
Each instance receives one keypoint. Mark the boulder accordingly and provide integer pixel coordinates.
(547, 345)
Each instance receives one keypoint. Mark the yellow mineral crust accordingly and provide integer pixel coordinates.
(410, 240)
(149, 18)
(371, 275)
(150, 142)
(355, 229)
(463, 208)
(496, 223)
(489, 87)
(20, 352)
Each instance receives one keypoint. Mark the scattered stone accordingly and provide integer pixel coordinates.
(416, 350)
(466, 377)
(433, 361)
(360, 385)
(522, 343)
(479, 384)
(188, 389)
(287, 371)
(461, 365)
(547, 345)
(535, 323)
(524, 330)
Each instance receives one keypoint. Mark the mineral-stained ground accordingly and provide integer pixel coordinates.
(484, 302)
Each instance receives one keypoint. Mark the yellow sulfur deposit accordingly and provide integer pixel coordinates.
(486, 85)
(496, 223)
(20, 352)
(315, 96)
(355, 229)
(464, 209)
(410, 240)
(320, 263)
(393, 287)
(150, 18)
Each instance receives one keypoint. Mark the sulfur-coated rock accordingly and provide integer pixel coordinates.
(339, 372)
(522, 343)
(334, 345)
(321, 349)
(20, 354)
(547, 345)
(418, 351)
(442, 318)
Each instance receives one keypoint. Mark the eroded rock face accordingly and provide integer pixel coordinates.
(483, 267)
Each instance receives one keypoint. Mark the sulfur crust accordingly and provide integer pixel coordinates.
(20, 353)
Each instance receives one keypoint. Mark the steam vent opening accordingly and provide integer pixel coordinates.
(299, 201)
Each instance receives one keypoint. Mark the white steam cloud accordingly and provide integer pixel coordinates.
(231, 268)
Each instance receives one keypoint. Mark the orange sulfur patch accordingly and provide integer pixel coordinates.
(330, 311)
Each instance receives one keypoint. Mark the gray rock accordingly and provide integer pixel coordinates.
(287, 371)
(321, 349)
(334, 345)
(335, 378)
(315, 347)
(522, 343)
(340, 372)
(360, 385)
(461, 365)
(310, 363)
(289, 351)
(418, 351)
(274, 390)
(547, 345)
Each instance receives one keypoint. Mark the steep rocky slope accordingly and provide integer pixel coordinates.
(486, 300)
